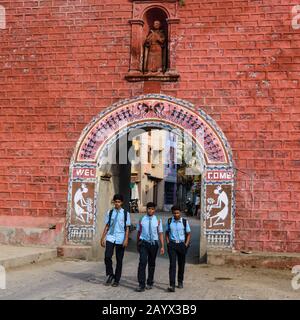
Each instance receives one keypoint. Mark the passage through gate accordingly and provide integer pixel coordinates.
(163, 112)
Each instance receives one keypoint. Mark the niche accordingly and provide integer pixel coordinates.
(155, 53)
(153, 42)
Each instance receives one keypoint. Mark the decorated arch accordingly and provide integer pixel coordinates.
(165, 112)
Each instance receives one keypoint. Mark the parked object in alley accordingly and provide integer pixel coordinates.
(134, 207)
(189, 207)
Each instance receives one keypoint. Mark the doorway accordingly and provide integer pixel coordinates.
(204, 141)
(150, 166)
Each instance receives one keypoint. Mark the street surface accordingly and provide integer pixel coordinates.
(75, 279)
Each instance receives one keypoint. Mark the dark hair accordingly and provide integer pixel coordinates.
(118, 197)
(151, 205)
(175, 208)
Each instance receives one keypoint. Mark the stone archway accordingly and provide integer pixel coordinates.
(217, 194)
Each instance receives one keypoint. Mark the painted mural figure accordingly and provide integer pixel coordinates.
(223, 213)
(159, 109)
(82, 207)
(155, 50)
(89, 209)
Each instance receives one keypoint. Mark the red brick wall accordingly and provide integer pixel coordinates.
(62, 61)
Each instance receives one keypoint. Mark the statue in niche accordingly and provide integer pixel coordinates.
(155, 50)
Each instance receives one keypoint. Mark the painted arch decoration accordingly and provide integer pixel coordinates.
(217, 195)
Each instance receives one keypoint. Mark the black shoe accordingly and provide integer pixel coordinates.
(180, 285)
(109, 280)
(149, 286)
(140, 289)
(171, 289)
(115, 284)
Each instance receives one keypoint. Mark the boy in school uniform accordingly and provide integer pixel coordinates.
(150, 230)
(178, 236)
(115, 236)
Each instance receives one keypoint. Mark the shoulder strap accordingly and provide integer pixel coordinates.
(140, 223)
(158, 220)
(169, 223)
(184, 224)
(125, 219)
(109, 217)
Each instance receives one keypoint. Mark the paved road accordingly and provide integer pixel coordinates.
(84, 280)
(73, 279)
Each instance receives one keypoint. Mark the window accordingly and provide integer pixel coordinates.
(149, 154)
(172, 154)
(169, 192)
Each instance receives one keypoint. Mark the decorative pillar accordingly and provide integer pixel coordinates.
(136, 45)
(172, 41)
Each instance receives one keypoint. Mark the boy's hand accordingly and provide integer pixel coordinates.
(102, 243)
(162, 250)
(125, 243)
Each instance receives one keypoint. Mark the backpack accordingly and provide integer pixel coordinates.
(125, 218)
(184, 225)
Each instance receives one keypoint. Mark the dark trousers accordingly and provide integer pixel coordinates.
(148, 253)
(176, 250)
(109, 251)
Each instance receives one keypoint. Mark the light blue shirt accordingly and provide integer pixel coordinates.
(116, 232)
(143, 227)
(176, 231)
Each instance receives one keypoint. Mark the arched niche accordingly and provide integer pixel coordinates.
(144, 15)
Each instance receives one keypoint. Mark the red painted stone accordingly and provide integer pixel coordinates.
(60, 70)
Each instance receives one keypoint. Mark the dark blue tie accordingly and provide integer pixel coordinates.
(150, 230)
(112, 230)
